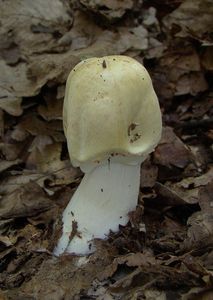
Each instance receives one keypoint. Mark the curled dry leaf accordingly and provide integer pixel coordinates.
(110, 9)
(179, 72)
(198, 293)
(48, 160)
(200, 232)
(52, 110)
(11, 183)
(134, 38)
(6, 241)
(26, 201)
(171, 151)
(40, 42)
(1, 122)
(33, 29)
(194, 19)
(33, 25)
(10, 104)
(35, 126)
(4, 164)
(149, 173)
(206, 59)
(186, 190)
(144, 259)
(10, 151)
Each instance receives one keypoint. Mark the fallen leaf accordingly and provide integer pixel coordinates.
(11, 183)
(194, 20)
(198, 293)
(35, 126)
(26, 201)
(11, 151)
(52, 110)
(179, 72)
(188, 189)
(110, 9)
(10, 104)
(149, 173)
(48, 159)
(171, 151)
(4, 164)
(206, 59)
(6, 241)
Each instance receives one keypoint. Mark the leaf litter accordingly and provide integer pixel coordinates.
(165, 251)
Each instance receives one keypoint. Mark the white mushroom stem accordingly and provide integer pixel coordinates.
(102, 201)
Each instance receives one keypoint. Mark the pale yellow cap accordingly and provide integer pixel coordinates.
(110, 108)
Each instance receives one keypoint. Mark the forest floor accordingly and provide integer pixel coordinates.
(165, 251)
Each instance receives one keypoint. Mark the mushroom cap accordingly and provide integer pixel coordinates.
(110, 108)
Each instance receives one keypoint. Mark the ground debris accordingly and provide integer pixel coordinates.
(165, 251)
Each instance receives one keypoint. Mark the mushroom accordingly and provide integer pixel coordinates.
(112, 121)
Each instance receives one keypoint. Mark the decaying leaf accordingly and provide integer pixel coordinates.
(188, 188)
(26, 201)
(200, 232)
(179, 72)
(35, 126)
(110, 9)
(4, 165)
(165, 251)
(149, 174)
(52, 111)
(11, 104)
(193, 18)
(171, 151)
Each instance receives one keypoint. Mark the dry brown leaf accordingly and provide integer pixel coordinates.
(15, 80)
(198, 293)
(110, 9)
(144, 259)
(40, 44)
(11, 151)
(207, 59)
(194, 19)
(203, 107)
(1, 122)
(149, 173)
(33, 125)
(200, 232)
(137, 259)
(26, 80)
(171, 151)
(155, 48)
(6, 241)
(10, 104)
(188, 188)
(52, 110)
(47, 159)
(2, 296)
(154, 294)
(179, 72)
(28, 200)
(11, 183)
(186, 84)
(4, 164)
(133, 38)
(34, 24)
(40, 142)
(205, 197)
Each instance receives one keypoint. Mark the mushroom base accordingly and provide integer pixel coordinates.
(102, 201)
